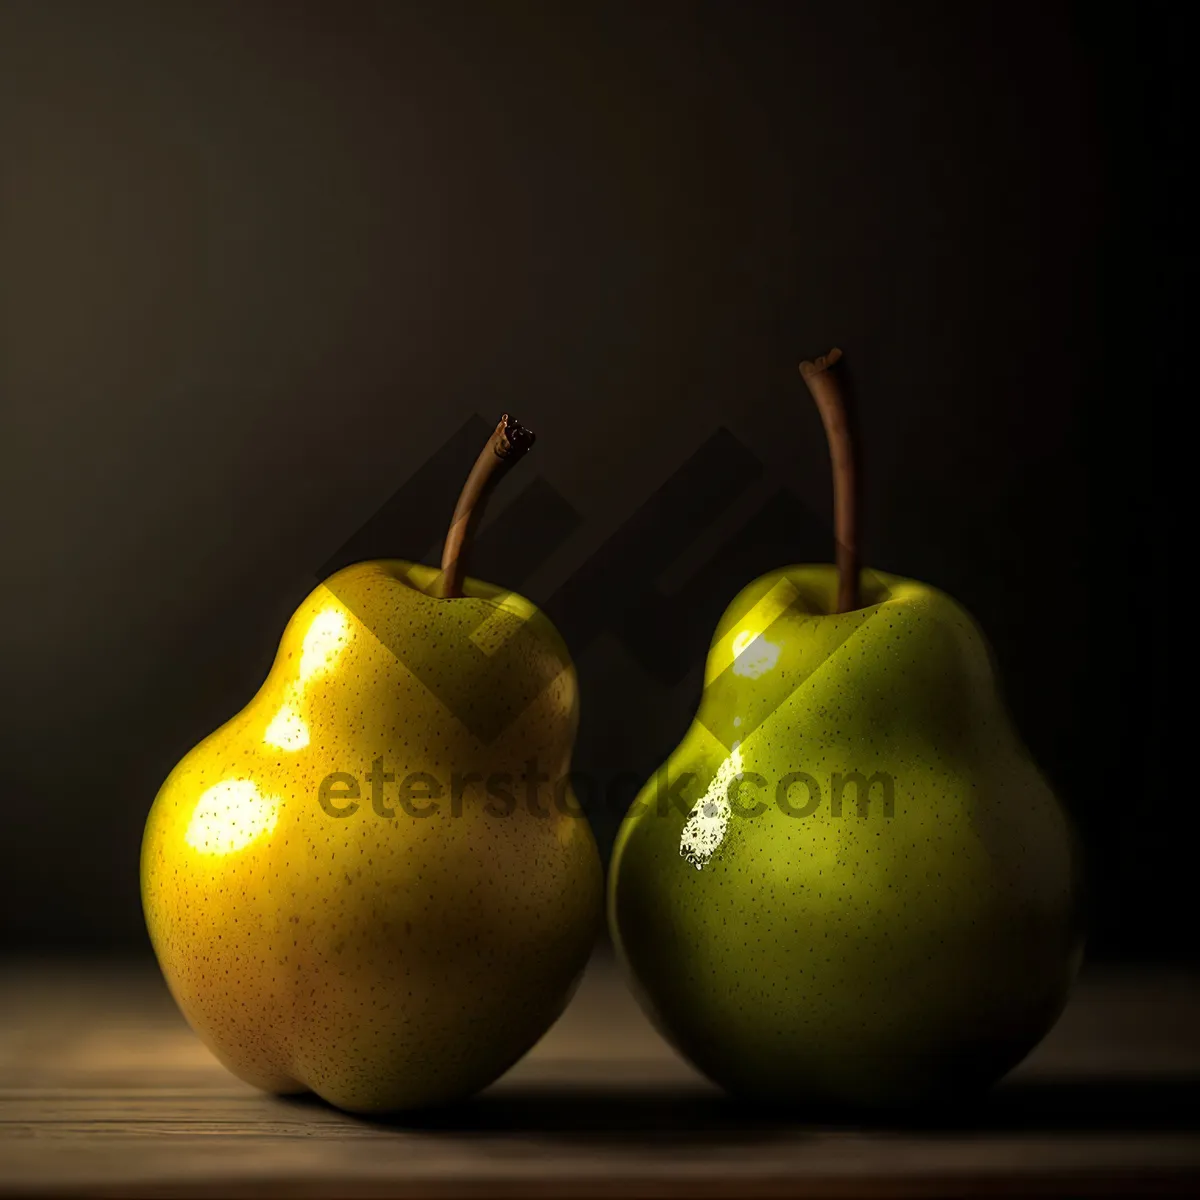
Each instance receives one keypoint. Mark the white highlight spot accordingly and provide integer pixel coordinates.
(323, 643)
(287, 730)
(229, 816)
(753, 655)
(708, 822)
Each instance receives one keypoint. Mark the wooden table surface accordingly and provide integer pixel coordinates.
(104, 1091)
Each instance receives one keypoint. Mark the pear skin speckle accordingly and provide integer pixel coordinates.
(320, 930)
(908, 948)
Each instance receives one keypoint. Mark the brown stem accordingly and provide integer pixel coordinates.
(504, 448)
(823, 383)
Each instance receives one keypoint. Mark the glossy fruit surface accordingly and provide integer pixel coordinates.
(373, 882)
(849, 884)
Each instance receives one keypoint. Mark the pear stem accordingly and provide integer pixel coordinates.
(505, 448)
(823, 383)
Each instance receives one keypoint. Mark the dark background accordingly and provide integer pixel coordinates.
(259, 263)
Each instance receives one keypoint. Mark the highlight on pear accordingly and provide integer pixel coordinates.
(407, 960)
(907, 950)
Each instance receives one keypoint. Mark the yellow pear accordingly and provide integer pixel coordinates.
(374, 882)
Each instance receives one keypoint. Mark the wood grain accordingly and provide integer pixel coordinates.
(104, 1091)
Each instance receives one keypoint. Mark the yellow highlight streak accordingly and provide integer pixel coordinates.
(229, 816)
(323, 644)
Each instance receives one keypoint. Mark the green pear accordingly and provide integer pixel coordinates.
(374, 882)
(849, 885)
